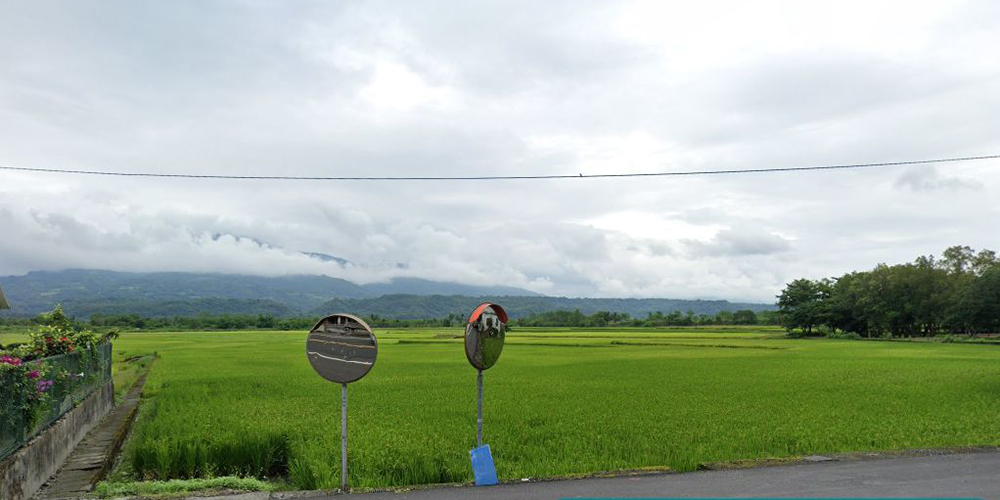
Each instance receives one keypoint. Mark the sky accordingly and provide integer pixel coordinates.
(457, 88)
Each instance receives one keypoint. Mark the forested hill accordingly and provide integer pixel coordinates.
(86, 292)
(83, 293)
(438, 306)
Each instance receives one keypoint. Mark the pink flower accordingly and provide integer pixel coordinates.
(43, 385)
(33, 374)
(10, 360)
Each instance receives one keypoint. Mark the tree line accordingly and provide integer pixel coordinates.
(958, 293)
(576, 318)
(559, 318)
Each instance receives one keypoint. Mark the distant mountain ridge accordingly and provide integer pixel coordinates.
(86, 292)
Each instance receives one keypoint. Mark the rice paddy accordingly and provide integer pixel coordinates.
(558, 402)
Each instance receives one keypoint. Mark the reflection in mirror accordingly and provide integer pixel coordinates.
(484, 336)
(341, 348)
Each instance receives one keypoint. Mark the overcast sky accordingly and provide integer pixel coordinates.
(499, 88)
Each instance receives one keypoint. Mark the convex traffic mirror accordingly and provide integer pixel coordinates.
(484, 335)
(341, 348)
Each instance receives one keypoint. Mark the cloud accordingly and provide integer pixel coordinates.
(927, 178)
(740, 242)
(388, 88)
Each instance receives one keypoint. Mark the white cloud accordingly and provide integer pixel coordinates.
(395, 86)
(665, 227)
(380, 88)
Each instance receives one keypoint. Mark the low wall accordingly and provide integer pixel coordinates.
(22, 473)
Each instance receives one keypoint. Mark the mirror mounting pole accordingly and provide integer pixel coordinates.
(479, 420)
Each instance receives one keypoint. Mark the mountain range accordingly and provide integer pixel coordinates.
(83, 293)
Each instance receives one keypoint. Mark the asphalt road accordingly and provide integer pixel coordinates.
(971, 475)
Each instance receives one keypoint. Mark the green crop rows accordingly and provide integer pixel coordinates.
(558, 402)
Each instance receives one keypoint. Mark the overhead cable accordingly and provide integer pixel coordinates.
(729, 171)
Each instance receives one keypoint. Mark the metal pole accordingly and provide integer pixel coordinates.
(343, 437)
(479, 419)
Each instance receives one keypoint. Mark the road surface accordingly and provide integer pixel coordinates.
(969, 475)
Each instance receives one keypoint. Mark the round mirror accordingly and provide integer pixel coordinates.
(341, 348)
(484, 335)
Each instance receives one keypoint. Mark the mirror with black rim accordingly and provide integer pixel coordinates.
(484, 335)
(341, 348)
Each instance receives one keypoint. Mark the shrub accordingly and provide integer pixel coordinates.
(26, 387)
(26, 377)
(843, 336)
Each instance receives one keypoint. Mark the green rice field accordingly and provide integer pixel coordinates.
(12, 338)
(558, 402)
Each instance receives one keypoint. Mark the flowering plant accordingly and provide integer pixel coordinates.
(26, 389)
(59, 335)
(10, 360)
(56, 336)
(29, 377)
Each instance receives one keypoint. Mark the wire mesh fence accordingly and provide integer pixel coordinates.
(59, 384)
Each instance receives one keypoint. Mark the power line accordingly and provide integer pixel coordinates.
(505, 177)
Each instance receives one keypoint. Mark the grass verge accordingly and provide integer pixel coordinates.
(106, 489)
(126, 372)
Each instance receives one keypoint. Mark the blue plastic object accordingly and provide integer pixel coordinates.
(482, 466)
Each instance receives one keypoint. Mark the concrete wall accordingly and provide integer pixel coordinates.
(22, 473)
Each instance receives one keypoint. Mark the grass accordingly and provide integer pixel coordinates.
(12, 336)
(559, 402)
(126, 370)
(179, 486)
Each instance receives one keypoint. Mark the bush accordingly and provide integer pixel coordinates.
(843, 336)
(26, 377)
(801, 334)
(25, 391)
(58, 334)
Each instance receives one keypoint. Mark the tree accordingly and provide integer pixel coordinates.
(266, 321)
(744, 317)
(958, 293)
(724, 318)
(957, 259)
(981, 302)
(800, 305)
(932, 291)
(984, 261)
(848, 306)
